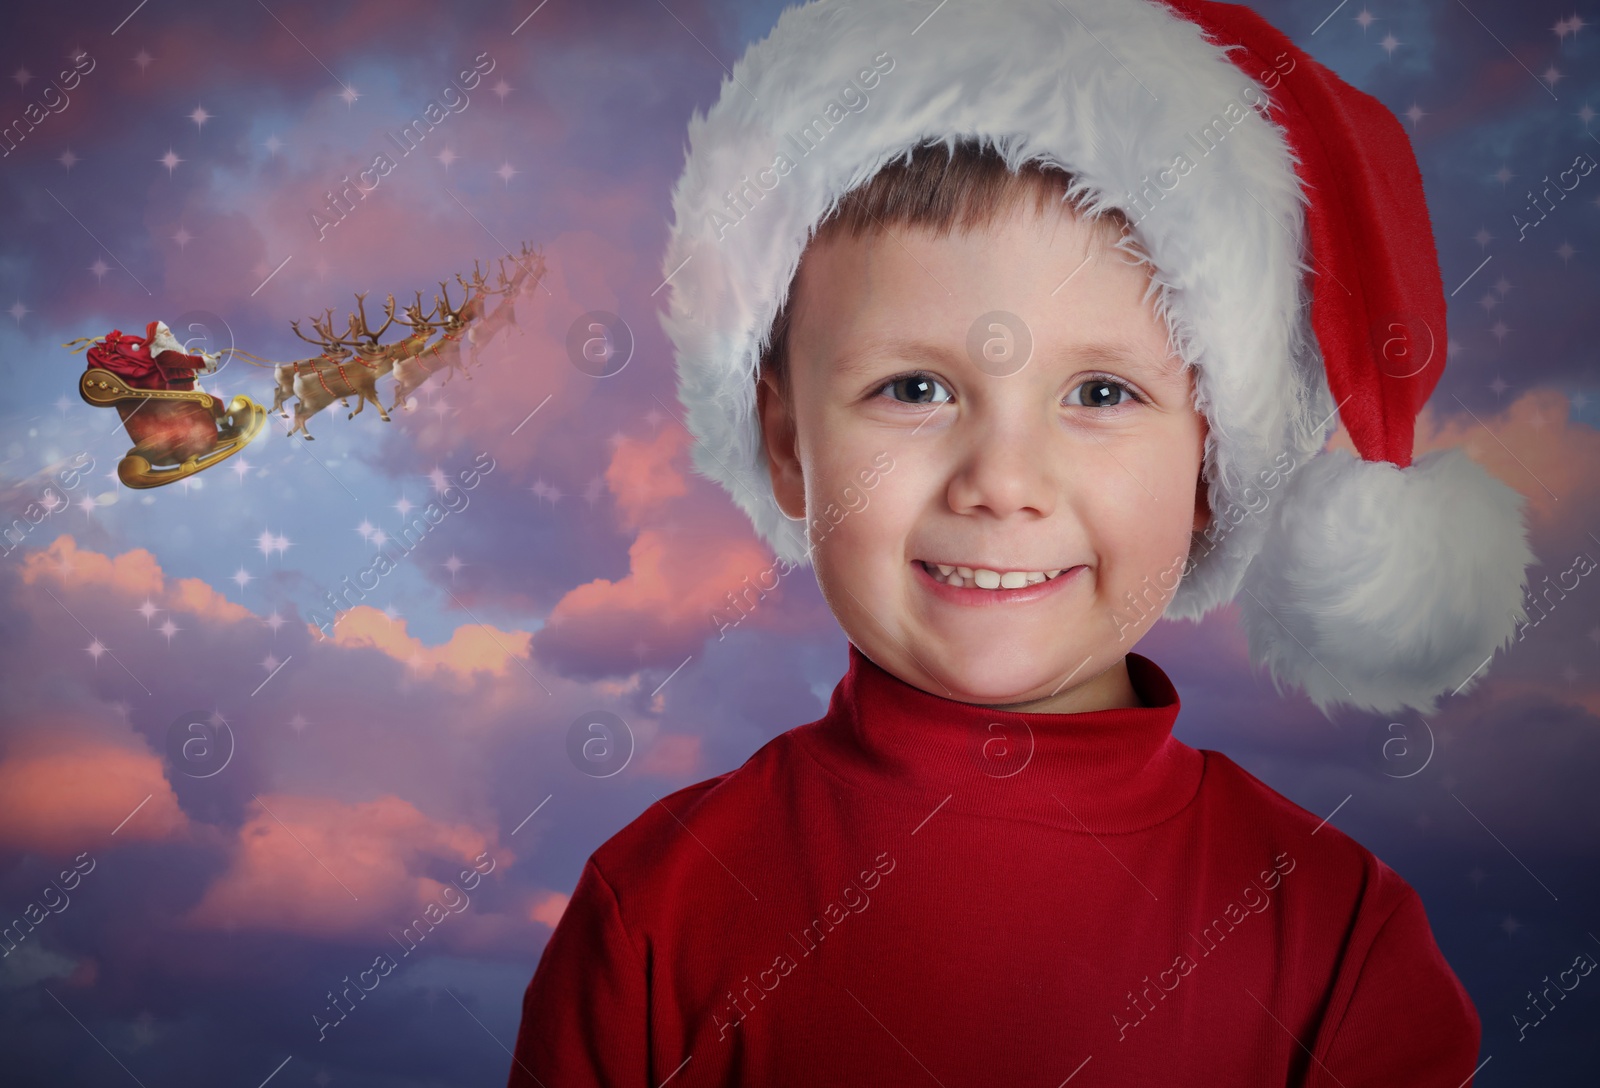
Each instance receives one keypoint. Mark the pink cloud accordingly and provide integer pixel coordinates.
(643, 475)
(324, 867)
(472, 648)
(133, 574)
(62, 792)
(548, 908)
(672, 755)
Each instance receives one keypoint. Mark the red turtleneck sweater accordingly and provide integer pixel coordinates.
(918, 891)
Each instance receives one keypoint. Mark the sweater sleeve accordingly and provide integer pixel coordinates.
(1408, 1019)
(584, 1015)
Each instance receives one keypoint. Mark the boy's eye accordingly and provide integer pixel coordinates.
(918, 387)
(1104, 393)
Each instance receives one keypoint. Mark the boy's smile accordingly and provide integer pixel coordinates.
(1046, 454)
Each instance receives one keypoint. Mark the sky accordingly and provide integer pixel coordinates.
(249, 812)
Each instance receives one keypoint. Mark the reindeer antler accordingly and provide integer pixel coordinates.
(363, 330)
(324, 329)
(421, 320)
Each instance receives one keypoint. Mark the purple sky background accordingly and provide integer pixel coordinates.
(580, 574)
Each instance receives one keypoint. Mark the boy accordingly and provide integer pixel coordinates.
(917, 332)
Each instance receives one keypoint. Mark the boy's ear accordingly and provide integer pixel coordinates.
(780, 441)
(1202, 506)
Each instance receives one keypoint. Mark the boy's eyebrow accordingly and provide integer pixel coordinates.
(1100, 352)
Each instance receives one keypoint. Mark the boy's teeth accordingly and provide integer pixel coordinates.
(983, 578)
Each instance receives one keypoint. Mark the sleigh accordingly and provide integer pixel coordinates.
(176, 430)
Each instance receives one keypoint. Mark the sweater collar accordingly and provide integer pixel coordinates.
(1100, 771)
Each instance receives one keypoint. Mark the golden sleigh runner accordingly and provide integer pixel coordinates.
(176, 429)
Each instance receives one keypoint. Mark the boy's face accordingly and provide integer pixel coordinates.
(1013, 464)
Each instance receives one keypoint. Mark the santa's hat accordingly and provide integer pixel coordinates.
(1294, 263)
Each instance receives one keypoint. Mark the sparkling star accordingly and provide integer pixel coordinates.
(502, 89)
(439, 480)
(365, 529)
(506, 172)
(67, 158)
(148, 609)
(452, 565)
(142, 59)
(183, 237)
(170, 160)
(240, 466)
(1489, 301)
(169, 629)
(349, 94)
(1503, 175)
(1415, 114)
(1483, 237)
(99, 268)
(447, 157)
(1502, 286)
(1551, 75)
(275, 621)
(1500, 328)
(272, 144)
(1498, 385)
(298, 723)
(1365, 19)
(19, 311)
(404, 506)
(1389, 44)
(1565, 252)
(242, 577)
(95, 649)
(22, 76)
(269, 542)
(269, 663)
(379, 538)
(654, 417)
(199, 117)
(546, 491)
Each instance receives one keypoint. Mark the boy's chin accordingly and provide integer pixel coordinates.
(1000, 672)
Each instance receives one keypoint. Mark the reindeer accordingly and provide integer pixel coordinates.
(317, 387)
(511, 288)
(376, 359)
(411, 365)
(444, 352)
(283, 373)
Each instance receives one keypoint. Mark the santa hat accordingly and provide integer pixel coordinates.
(1294, 265)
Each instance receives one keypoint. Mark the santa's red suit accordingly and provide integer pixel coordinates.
(154, 361)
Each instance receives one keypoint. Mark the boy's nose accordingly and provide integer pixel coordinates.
(1007, 464)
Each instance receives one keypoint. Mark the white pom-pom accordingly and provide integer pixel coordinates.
(1383, 588)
